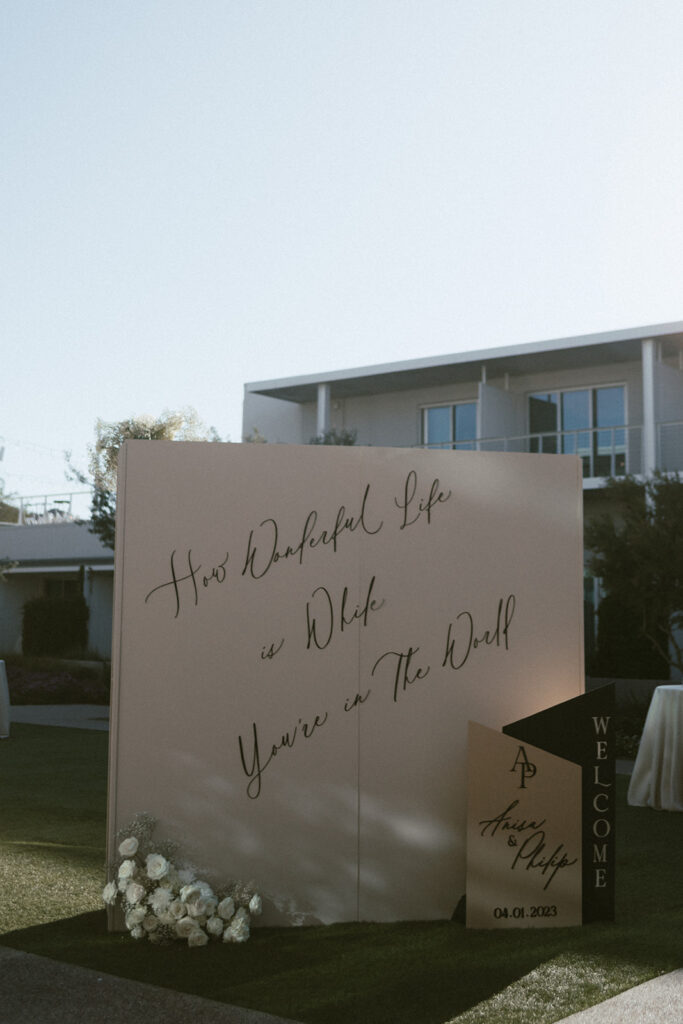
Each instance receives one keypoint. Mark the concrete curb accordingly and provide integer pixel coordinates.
(37, 990)
(658, 1001)
(70, 716)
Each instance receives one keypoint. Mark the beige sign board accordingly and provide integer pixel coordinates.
(303, 633)
(523, 835)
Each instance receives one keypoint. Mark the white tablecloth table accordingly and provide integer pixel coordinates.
(657, 779)
(4, 703)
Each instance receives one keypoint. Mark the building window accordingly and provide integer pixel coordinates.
(450, 426)
(589, 423)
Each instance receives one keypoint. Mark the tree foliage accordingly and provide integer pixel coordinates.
(55, 626)
(255, 437)
(103, 462)
(637, 552)
(334, 436)
(5, 565)
(8, 513)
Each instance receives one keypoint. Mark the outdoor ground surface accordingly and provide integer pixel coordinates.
(52, 828)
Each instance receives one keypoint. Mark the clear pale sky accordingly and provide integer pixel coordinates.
(200, 194)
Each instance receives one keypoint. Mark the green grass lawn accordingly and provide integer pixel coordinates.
(52, 831)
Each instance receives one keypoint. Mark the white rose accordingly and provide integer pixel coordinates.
(157, 866)
(127, 869)
(215, 925)
(150, 923)
(110, 892)
(226, 908)
(197, 938)
(255, 905)
(170, 880)
(190, 893)
(238, 929)
(185, 926)
(196, 891)
(129, 847)
(135, 917)
(236, 934)
(176, 909)
(201, 907)
(134, 892)
(138, 932)
(166, 918)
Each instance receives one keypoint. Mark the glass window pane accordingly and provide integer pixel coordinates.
(543, 413)
(579, 443)
(466, 421)
(610, 445)
(610, 452)
(438, 426)
(609, 407)
(575, 410)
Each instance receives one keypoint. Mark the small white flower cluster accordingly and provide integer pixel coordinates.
(162, 902)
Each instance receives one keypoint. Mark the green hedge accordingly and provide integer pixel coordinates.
(56, 626)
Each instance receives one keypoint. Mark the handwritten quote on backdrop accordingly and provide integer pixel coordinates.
(301, 636)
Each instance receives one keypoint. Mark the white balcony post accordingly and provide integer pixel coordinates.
(323, 421)
(649, 353)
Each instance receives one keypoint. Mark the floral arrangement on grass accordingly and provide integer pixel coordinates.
(163, 901)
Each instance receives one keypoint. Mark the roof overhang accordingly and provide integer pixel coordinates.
(64, 568)
(464, 367)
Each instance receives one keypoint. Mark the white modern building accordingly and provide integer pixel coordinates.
(55, 560)
(615, 399)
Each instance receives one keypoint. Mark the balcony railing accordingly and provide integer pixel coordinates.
(37, 509)
(604, 451)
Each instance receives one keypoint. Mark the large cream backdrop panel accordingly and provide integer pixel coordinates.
(301, 636)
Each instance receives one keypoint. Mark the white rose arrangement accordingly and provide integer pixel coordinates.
(163, 901)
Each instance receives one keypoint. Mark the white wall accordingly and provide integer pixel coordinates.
(394, 419)
(502, 413)
(277, 421)
(668, 393)
(99, 594)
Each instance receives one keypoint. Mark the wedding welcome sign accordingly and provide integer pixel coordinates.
(301, 637)
(540, 832)
(524, 835)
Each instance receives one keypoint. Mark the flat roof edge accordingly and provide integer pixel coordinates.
(655, 332)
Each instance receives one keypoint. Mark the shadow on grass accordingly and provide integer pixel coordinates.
(406, 973)
(412, 972)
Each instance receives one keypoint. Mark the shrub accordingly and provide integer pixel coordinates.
(56, 626)
(50, 681)
(622, 650)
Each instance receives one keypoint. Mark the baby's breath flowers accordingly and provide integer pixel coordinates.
(163, 901)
